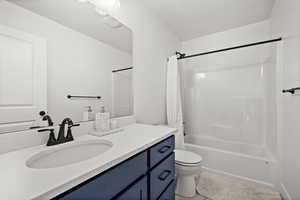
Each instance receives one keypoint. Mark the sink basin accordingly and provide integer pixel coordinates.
(68, 153)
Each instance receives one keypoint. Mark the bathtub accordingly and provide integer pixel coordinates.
(245, 162)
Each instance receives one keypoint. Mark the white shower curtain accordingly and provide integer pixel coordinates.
(174, 106)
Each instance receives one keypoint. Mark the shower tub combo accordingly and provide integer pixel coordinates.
(229, 107)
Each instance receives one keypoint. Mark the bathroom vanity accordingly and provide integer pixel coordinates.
(148, 175)
(138, 163)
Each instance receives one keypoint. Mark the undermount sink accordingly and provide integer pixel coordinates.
(68, 153)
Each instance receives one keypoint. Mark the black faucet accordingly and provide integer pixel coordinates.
(46, 117)
(61, 134)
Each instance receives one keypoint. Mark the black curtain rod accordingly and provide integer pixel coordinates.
(119, 70)
(184, 56)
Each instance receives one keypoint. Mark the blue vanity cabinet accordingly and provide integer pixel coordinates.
(108, 184)
(139, 191)
(146, 176)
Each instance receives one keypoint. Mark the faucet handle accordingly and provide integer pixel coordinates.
(69, 136)
(42, 113)
(47, 129)
(70, 126)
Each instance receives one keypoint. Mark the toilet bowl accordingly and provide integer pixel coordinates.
(188, 166)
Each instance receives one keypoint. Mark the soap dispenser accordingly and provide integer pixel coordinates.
(87, 114)
(102, 120)
(91, 113)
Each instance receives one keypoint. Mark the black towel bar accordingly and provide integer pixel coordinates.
(292, 90)
(84, 97)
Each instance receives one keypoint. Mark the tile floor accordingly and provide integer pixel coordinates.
(216, 187)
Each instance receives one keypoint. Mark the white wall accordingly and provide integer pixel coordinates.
(77, 64)
(285, 22)
(152, 44)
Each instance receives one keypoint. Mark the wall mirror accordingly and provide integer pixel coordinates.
(54, 49)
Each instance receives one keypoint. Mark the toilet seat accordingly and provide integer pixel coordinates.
(187, 158)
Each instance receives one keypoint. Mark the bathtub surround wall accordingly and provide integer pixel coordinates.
(285, 22)
(227, 97)
(67, 61)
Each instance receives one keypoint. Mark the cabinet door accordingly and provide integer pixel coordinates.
(169, 193)
(138, 191)
(23, 79)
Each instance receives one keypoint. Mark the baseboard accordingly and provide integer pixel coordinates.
(246, 179)
(285, 194)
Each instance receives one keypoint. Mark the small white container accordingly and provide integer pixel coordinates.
(87, 113)
(105, 121)
(102, 121)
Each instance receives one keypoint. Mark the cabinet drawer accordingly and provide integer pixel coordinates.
(139, 191)
(107, 184)
(169, 194)
(161, 150)
(161, 176)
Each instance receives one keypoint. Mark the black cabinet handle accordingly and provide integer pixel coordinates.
(164, 175)
(164, 149)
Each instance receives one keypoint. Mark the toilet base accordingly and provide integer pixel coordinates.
(186, 186)
(188, 167)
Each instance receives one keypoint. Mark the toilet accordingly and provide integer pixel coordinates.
(188, 166)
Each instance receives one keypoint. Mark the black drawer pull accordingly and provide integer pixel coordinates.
(164, 175)
(164, 149)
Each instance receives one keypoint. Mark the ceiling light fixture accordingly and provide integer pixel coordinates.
(105, 8)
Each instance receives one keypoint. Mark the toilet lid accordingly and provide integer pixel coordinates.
(187, 157)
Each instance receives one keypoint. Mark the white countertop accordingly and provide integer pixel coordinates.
(18, 182)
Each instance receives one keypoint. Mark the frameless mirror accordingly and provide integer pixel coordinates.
(61, 57)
